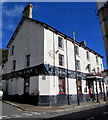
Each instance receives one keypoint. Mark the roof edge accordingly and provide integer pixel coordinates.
(52, 29)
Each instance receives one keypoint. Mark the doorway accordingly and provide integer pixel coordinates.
(91, 89)
(26, 85)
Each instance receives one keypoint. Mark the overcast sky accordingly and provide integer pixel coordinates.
(64, 17)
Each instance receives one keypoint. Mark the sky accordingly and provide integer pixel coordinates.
(63, 16)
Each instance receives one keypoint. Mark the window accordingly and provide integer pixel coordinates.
(61, 60)
(79, 84)
(26, 85)
(14, 64)
(98, 70)
(88, 56)
(61, 85)
(12, 50)
(97, 59)
(27, 60)
(60, 42)
(77, 50)
(78, 64)
(89, 68)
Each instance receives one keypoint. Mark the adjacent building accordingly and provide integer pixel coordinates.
(102, 7)
(41, 66)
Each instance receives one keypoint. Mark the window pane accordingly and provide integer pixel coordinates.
(14, 64)
(61, 85)
(60, 42)
(78, 64)
(61, 60)
(97, 59)
(27, 60)
(88, 56)
(77, 50)
(12, 50)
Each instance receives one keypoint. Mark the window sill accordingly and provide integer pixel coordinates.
(61, 92)
(62, 66)
(88, 60)
(61, 48)
(77, 55)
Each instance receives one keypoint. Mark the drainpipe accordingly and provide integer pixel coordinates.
(76, 74)
(103, 89)
(53, 61)
(67, 75)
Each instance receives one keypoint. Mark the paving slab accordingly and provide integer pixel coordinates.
(72, 107)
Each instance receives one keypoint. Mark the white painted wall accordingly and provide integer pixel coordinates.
(34, 85)
(3, 85)
(15, 86)
(29, 40)
(72, 86)
(49, 48)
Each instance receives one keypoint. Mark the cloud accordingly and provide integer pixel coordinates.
(15, 11)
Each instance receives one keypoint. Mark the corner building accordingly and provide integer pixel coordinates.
(41, 66)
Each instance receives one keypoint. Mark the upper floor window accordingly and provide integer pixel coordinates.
(97, 59)
(89, 67)
(98, 70)
(27, 60)
(14, 64)
(60, 42)
(61, 60)
(78, 64)
(88, 55)
(77, 50)
(12, 50)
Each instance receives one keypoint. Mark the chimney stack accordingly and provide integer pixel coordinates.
(27, 12)
(83, 43)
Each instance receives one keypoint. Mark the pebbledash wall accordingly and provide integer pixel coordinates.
(40, 41)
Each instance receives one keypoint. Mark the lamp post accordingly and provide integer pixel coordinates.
(76, 73)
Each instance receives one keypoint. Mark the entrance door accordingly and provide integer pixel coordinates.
(26, 85)
(91, 89)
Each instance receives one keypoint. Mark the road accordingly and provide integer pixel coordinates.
(100, 113)
(13, 113)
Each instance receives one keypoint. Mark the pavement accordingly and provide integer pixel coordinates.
(63, 108)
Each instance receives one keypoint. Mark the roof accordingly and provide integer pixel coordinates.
(52, 29)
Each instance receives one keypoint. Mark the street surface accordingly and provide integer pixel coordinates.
(10, 112)
(100, 113)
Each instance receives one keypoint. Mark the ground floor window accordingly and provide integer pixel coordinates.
(61, 85)
(26, 85)
(79, 86)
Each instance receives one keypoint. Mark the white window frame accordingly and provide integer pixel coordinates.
(77, 50)
(61, 61)
(78, 66)
(88, 55)
(60, 42)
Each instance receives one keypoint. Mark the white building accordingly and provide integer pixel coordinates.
(41, 66)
